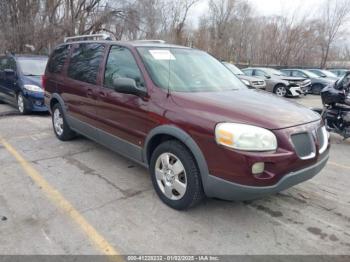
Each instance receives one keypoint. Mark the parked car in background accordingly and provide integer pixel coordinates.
(20, 82)
(324, 73)
(250, 81)
(180, 113)
(317, 82)
(279, 83)
(339, 72)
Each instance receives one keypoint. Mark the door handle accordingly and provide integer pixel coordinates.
(102, 94)
(89, 93)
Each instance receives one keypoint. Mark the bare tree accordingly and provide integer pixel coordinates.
(335, 14)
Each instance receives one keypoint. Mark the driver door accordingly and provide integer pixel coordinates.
(124, 116)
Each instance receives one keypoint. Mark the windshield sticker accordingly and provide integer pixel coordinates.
(162, 55)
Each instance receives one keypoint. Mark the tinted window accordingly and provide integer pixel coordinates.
(85, 62)
(58, 59)
(7, 63)
(121, 63)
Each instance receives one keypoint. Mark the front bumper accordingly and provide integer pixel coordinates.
(223, 189)
(35, 102)
(295, 91)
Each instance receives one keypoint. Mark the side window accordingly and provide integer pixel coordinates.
(260, 73)
(286, 72)
(7, 63)
(248, 72)
(299, 74)
(11, 64)
(85, 62)
(58, 59)
(3, 63)
(121, 63)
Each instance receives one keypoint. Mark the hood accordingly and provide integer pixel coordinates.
(31, 80)
(245, 106)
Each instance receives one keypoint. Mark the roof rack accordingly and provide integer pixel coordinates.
(154, 41)
(87, 37)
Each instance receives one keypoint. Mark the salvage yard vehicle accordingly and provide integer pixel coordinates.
(324, 73)
(339, 72)
(20, 82)
(336, 107)
(179, 112)
(250, 81)
(317, 82)
(279, 83)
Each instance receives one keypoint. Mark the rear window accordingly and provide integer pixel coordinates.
(58, 59)
(85, 62)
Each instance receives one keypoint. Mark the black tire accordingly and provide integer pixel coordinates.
(194, 193)
(22, 104)
(67, 134)
(316, 89)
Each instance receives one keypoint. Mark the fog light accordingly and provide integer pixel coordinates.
(258, 168)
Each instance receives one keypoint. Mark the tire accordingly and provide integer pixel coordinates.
(22, 104)
(316, 89)
(280, 90)
(177, 188)
(60, 125)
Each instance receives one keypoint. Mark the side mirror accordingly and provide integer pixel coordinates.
(267, 76)
(126, 86)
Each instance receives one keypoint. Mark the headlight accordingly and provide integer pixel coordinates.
(33, 88)
(246, 82)
(245, 137)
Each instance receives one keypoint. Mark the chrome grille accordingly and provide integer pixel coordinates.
(304, 145)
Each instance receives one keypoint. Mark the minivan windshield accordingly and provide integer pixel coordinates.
(188, 70)
(32, 66)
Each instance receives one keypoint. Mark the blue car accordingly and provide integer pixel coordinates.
(20, 82)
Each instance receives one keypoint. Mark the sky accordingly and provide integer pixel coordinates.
(266, 7)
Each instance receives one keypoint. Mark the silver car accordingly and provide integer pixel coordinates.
(278, 83)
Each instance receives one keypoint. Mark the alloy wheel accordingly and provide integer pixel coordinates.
(20, 103)
(281, 91)
(58, 122)
(171, 176)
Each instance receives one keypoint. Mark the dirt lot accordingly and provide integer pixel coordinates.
(80, 198)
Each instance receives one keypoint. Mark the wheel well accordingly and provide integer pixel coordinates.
(53, 102)
(277, 85)
(157, 140)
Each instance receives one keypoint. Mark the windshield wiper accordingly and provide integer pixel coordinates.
(31, 75)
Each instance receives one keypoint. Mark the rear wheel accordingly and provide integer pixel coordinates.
(280, 90)
(175, 175)
(60, 125)
(22, 104)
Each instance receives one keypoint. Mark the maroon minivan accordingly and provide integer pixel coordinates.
(181, 113)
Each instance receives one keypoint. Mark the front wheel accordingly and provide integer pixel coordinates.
(175, 175)
(60, 125)
(280, 90)
(22, 104)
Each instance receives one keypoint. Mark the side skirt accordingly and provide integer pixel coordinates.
(116, 144)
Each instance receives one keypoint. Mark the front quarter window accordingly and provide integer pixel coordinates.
(187, 70)
(121, 64)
